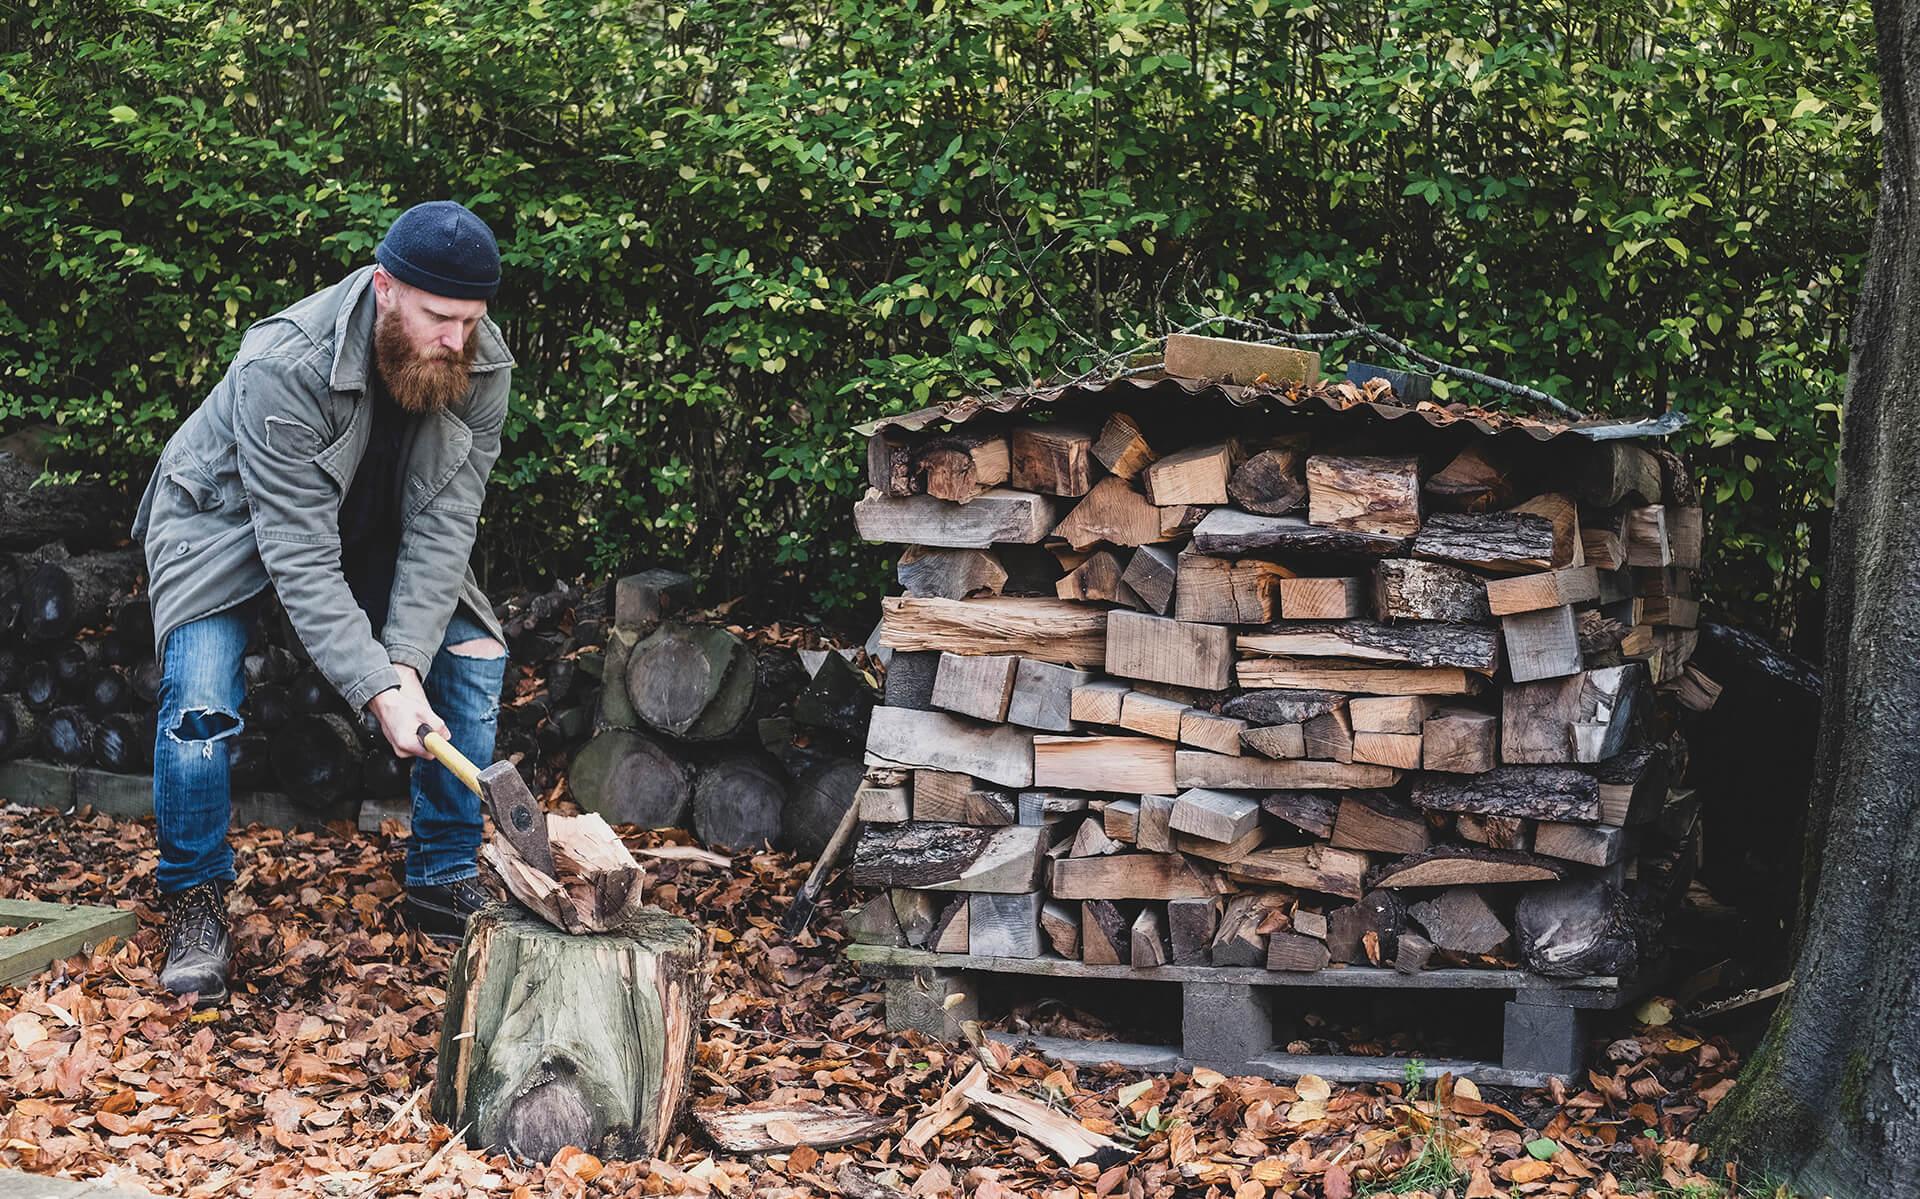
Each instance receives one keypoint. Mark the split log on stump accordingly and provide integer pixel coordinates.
(19, 727)
(553, 1039)
(62, 593)
(595, 881)
(737, 802)
(815, 803)
(66, 736)
(630, 778)
(123, 742)
(1575, 929)
(692, 681)
(316, 758)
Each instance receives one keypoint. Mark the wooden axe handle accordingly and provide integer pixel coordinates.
(444, 753)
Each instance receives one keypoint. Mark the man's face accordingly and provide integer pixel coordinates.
(423, 343)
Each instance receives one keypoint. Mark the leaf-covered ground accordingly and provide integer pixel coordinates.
(313, 1079)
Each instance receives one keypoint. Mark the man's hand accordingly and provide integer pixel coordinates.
(402, 710)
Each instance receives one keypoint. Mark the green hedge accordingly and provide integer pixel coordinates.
(734, 228)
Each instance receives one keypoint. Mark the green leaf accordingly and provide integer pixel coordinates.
(122, 114)
(1544, 1148)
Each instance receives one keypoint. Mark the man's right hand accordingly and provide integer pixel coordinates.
(402, 710)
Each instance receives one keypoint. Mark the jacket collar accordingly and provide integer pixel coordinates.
(353, 337)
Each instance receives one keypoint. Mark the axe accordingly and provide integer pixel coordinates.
(516, 813)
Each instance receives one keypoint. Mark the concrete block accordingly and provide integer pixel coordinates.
(1225, 1025)
(1543, 1037)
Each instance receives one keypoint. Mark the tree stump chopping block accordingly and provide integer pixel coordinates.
(554, 1039)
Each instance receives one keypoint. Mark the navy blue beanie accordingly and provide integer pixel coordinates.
(441, 247)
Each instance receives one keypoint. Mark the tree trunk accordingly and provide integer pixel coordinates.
(692, 681)
(815, 804)
(82, 513)
(1829, 1102)
(553, 1039)
(19, 728)
(67, 736)
(63, 593)
(737, 802)
(123, 742)
(316, 759)
(629, 778)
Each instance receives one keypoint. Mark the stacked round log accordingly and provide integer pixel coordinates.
(695, 728)
(1261, 678)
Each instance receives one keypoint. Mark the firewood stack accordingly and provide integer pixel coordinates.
(1237, 668)
(692, 727)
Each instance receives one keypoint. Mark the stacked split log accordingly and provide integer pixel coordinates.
(1276, 684)
(692, 727)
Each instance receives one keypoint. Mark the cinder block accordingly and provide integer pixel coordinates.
(1547, 1038)
(1225, 1025)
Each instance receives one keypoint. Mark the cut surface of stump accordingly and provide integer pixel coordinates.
(553, 1039)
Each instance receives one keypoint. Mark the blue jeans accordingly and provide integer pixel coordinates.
(200, 692)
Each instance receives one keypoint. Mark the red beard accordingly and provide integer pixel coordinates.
(419, 383)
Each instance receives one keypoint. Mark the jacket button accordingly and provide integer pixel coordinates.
(180, 549)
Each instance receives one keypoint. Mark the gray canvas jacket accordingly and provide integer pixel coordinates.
(247, 493)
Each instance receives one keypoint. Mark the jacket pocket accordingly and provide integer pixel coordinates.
(190, 478)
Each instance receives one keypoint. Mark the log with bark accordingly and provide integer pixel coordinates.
(696, 682)
(738, 801)
(123, 742)
(552, 1039)
(62, 592)
(316, 758)
(631, 778)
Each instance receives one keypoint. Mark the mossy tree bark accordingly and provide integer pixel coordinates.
(1831, 1100)
(554, 1039)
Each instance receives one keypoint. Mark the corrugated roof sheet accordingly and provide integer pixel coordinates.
(1375, 397)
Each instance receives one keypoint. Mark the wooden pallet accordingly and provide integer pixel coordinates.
(1227, 1014)
(51, 931)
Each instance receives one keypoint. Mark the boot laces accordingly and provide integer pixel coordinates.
(198, 919)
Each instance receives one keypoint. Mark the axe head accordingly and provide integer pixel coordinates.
(517, 814)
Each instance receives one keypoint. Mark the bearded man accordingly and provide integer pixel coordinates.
(341, 463)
